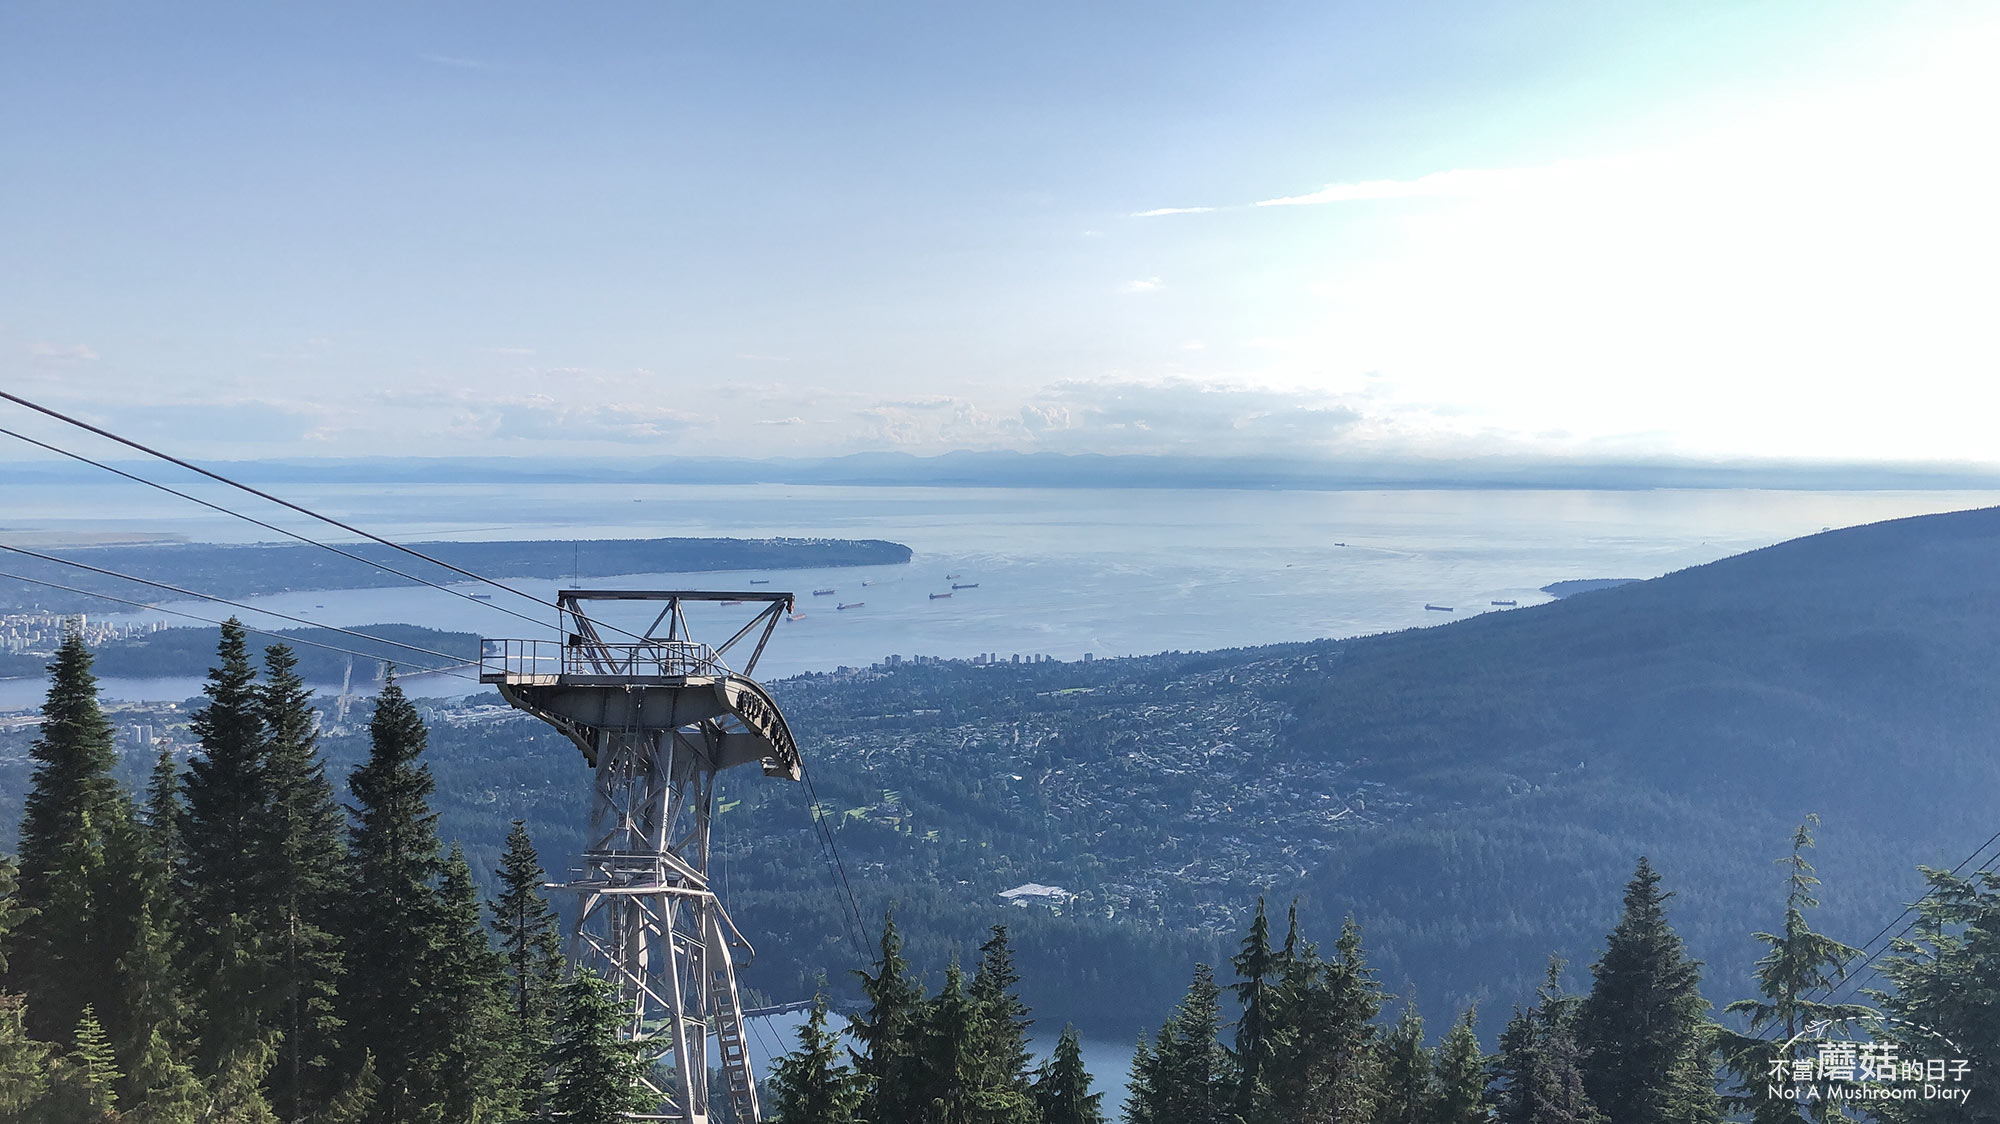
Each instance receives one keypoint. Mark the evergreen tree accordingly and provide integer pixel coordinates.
(1062, 1088)
(164, 1087)
(12, 912)
(1540, 1064)
(886, 1032)
(531, 947)
(1002, 1019)
(596, 1076)
(1186, 1077)
(83, 1088)
(227, 852)
(814, 1084)
(62, 956)
(1257, 969)
(150, 995)
(149, 1023)
(1459, 1096)
(951, 1079)
(1324, 1068)
(1141, 1098)
(1408, 1081)
(393, 911)
(24, 1063)
(1643, 1027)
(1946, 998)
(304, 865)
(465, 1008)
(1799, 964)
(235, 1091)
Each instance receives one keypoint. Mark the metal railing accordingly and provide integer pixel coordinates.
(509, 660)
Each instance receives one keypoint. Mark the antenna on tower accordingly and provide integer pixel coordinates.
(656, 720)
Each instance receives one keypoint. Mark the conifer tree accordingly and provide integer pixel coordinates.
(1257, 969)
(886, 1032)
(1800, 963)
(1643, 1026)
(227, 877)
(150, 994)
(596, 1077)
(24, 1062)
(1539, 1066)
(164, 1089)
(1062, 1088)
(304, 866)
(61, 956)
(951, 1079)
(1324, 1070)
(1186, 1077)
(813, 1084)
(1945, 1001)
(149, 1023)
(531, 948)
(1408, 1081)
(12, 912)
(393, 910)
(235, 1090)
(1002, 1019)
(83, 1087)
(1459, 1096)
(464, 1006)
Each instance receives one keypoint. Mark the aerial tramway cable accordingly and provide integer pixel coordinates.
(308, 540)
(830, 847)
(259, 493)
(278, 636)
(456, 660)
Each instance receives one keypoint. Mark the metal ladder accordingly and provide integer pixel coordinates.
(735, 1056)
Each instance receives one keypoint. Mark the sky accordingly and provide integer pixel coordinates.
(1583, 231)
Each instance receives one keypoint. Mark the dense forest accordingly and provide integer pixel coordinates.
(247, 569)
(233, 945)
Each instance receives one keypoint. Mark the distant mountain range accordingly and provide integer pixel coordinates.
(1081, 470)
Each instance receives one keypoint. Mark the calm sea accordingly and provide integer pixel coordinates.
(1061, 573)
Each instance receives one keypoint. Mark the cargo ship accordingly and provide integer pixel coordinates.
(1508, 604)
(935, 596)
(1439, 608)
(732, 602)
(760, 581)
(850, 604)
(967, 585)
(948, 577)
(821, 592)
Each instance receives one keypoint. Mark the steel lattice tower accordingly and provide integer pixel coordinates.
(657, 719)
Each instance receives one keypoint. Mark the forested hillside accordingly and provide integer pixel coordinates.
(1474, 794)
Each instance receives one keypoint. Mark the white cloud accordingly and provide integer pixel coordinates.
(1143, 285)
(62, 355)
(1159, 211)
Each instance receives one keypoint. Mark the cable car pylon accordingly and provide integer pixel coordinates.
(657, 719)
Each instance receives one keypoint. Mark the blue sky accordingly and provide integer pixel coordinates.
(1578, 230)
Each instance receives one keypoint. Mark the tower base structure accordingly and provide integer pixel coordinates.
(657, 719)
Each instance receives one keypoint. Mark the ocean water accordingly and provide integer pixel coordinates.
(1059, 573)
